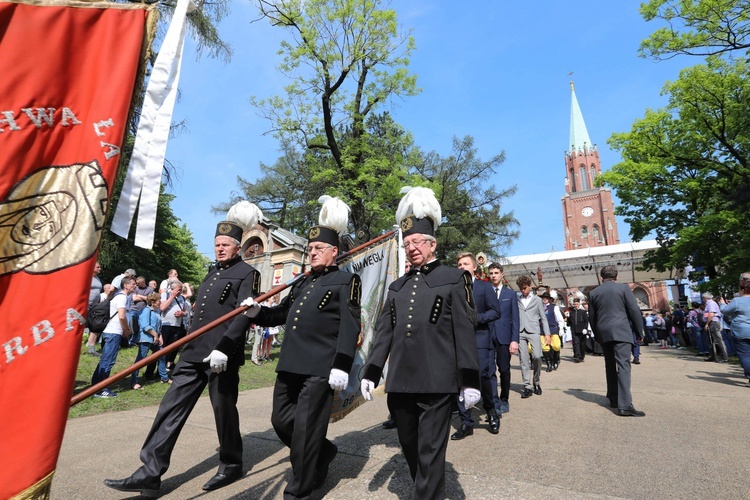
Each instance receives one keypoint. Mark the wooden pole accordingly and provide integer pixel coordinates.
(90, 391)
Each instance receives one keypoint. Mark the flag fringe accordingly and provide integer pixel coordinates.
(38, 491)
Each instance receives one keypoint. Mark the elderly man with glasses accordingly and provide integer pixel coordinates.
(427, 328)
(322, 317)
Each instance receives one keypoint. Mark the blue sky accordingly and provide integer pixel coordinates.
(497, 71)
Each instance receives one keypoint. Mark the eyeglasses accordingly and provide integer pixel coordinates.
(413, 243)
(318, 249)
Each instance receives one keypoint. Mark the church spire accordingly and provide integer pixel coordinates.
(578, 133)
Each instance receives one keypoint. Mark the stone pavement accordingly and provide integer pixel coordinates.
(566, 443)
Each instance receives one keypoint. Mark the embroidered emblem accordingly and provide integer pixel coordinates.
(224, 228)
(314, 232)
(407, 223)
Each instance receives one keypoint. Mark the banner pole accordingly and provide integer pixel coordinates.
(90, 391)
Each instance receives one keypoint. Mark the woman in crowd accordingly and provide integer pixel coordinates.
(737, 313)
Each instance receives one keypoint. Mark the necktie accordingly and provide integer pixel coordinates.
(497, 293)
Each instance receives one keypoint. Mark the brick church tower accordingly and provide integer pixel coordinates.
(588, 211)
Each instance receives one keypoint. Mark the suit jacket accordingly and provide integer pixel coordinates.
(505, 329)
(614, 313)
(578, 321)
(488, 310)
(532, 317)
(322, 318)
(427, 326)
(222, 291)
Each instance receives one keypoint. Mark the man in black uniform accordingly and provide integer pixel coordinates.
(427, 327)
(212, 359)
(578, 321)
(322, 318)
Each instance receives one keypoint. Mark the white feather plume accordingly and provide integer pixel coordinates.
(421, 202)
(244, 214)
(334, 214)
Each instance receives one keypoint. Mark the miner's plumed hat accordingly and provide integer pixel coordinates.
(418, 211)
(332, 221)
(241, 217)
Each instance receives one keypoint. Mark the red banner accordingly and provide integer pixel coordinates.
(67, 75)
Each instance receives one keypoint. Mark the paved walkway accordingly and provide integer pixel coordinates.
(565, 443)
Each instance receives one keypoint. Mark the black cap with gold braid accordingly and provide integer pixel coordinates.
(241, 217)
(418, 211)
(333, 221)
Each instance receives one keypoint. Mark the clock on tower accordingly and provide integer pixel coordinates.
(587, 211)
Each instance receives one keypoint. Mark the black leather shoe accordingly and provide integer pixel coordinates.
(325, 460)
(537, 389)
(221, 479)
(636, 361)
(631, 412)
(389, 424)
(148, 489)
(494, 420)
(576, 360)
(526, 393)
(461, 433)
(710, 359)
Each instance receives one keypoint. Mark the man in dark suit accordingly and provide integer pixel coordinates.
(488, 310)
(505, 334)
(213, 359)
(614, 314)
(427, 327)
(322, 316)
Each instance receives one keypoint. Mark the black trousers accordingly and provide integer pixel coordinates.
(423, 422)
(189, 380)
(502, 359)
(579, 346)
(617, 366)
(486, 370)
(301, 409)
(170, 334)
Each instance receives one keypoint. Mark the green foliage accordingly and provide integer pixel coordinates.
(471, 205)
(696, 27)
(685, 173)
(173, 246)
(345, 59)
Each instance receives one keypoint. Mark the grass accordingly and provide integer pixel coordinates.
(251, 377)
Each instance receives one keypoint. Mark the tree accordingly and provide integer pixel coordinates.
(346, 59)
(471, 205)
(288, 191)
(685, 172)
(696, 27)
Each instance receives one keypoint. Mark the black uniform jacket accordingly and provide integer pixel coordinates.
(321, 314)
(222, 291)
(427, 326)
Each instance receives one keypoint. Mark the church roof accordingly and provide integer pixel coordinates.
(578, 133)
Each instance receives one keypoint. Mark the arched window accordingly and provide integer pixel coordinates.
(584, 178)
(593, 175)
(572, 181)
(584, 232)
(596, 233)
(641, 297)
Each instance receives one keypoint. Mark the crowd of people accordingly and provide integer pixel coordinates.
(467, 328)
(141, 315)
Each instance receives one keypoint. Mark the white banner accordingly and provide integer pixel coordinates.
(378, 267)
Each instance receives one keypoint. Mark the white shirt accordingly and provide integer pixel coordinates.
(525, 300)
(114, 326)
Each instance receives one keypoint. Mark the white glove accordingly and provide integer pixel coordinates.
(217, 360)
(367, 387)
(338, 379)
(469, 396)
(253, 308)
(585, 332)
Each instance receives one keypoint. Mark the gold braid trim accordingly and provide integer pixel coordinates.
(38, 491)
